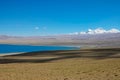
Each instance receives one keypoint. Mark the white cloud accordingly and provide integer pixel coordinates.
(101, 31)
(114, 31)
(98, 31)
(36, 28)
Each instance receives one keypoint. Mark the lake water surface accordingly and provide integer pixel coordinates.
(6, 48)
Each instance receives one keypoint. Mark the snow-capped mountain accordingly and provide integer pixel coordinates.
(92, 38)
(97, 31)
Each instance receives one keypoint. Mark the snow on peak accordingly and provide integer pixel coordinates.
(98, 31)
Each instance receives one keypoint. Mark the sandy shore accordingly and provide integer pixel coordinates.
(85, 64)
(6, 54)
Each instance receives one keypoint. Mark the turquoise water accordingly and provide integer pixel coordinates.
(5, 48)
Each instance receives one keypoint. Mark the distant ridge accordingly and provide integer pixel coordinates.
(85, 40)
(97, 31)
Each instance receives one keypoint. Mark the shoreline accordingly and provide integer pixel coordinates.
(74, 64)
(78, 46)
(82, 49)
(6, 54)
(12, 53)
(72, 50)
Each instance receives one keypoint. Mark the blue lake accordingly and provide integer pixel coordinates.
(5, 48)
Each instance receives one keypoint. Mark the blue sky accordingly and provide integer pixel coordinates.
(48, 17)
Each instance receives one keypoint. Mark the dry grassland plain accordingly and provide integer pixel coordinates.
(86, 64)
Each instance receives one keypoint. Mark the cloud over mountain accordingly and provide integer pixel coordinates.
(97, 31)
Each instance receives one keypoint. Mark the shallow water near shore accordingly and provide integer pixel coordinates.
(7, 48)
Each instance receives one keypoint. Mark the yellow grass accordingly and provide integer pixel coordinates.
(62, 65)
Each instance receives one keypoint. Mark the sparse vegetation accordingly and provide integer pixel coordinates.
(96, 64)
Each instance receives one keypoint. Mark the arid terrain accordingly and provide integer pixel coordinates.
(111, 40)
(84, 64)
(59, 39)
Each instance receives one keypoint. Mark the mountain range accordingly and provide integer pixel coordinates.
(82, 40)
